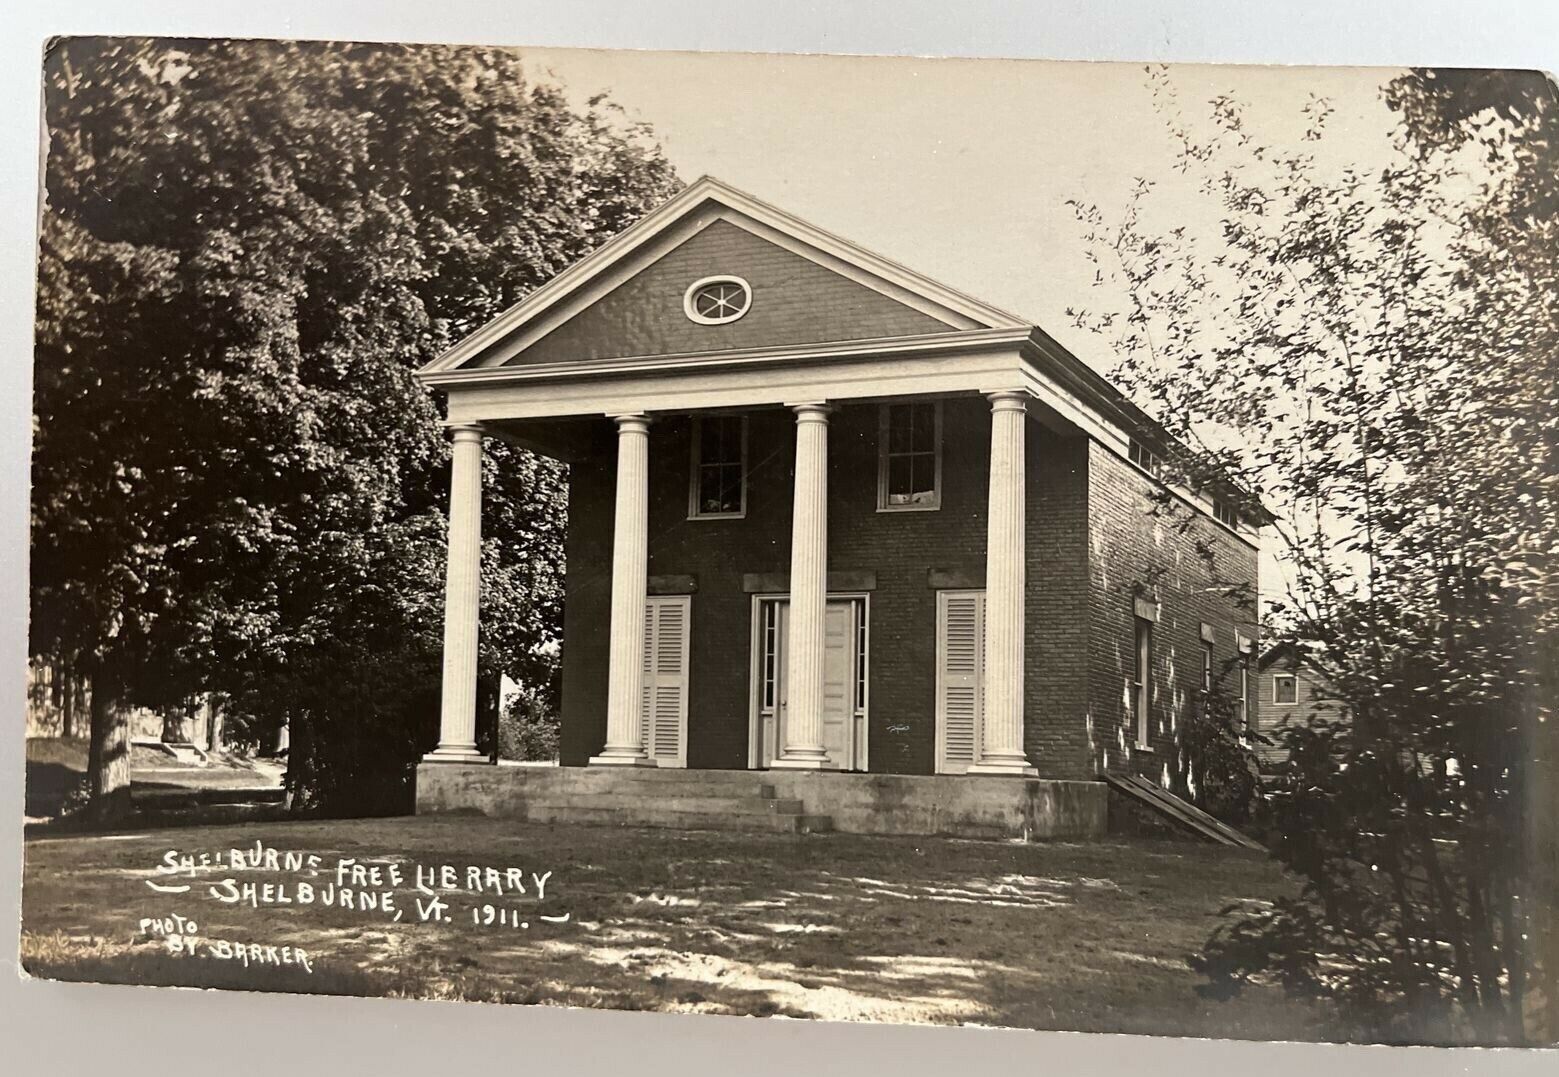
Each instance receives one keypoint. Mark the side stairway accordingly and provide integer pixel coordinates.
(646, 796)
(1181, 814)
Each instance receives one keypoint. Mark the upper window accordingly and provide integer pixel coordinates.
(1226, 514)
(719, 479)
(717, 300)
(1145, 458)
(1207, 666)
(909, 456)
(1285, 688)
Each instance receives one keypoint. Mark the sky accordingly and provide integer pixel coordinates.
(963, 169)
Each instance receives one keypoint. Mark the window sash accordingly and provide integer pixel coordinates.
(1142, 677)
(718, 480)
(1285, 684)
(909, 457)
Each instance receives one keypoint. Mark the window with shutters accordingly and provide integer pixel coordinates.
(960, 692)
(663, 714)
(909, 457)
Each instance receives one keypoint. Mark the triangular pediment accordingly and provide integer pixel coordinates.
(629, 298)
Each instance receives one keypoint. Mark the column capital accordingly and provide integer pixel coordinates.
(811, 411)
(463, 431)
(631, 422)
(1008, 399)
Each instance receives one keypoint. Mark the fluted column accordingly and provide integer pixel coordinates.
(803, 743)
(1001, 731)
(630, 567)
(462, 595)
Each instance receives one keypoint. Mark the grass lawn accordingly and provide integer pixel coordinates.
(1091, 937)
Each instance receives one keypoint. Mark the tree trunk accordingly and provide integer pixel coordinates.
(108, 759)
(213, 725)
(177, 727)
(66, 681)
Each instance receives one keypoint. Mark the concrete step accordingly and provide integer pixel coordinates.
(209, 814)
(172, 798)
(656, 815)
(631, 801)
(661, 783)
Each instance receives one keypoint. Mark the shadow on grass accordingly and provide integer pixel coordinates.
(1081, 936)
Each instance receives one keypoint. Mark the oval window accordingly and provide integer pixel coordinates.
(717, 300)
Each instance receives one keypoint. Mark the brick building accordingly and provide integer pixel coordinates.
(827, 515)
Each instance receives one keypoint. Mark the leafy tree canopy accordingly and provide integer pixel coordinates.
(247, 249)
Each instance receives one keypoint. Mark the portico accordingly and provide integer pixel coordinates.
(999, 747)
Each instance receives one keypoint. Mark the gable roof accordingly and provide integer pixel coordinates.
(659, 228)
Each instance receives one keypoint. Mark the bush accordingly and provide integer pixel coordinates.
(529, 728)
(1215, 767)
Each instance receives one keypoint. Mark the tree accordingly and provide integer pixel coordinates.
(246, 251)
(1364, 348)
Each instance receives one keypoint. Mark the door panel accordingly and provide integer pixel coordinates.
(839, 664)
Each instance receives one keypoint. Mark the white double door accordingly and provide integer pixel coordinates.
(843, 681)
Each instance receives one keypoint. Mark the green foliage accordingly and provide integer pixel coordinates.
(1378, 352)
(1215, 765)
(530, 727)
(247, 250)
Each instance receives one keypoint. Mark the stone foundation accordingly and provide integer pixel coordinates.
(997, 808)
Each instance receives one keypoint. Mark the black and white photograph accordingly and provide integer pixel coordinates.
(1002, 544)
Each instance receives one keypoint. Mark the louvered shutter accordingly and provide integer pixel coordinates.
(960, 704)
(663, 712)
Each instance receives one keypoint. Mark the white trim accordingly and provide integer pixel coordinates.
(938, 343)
(883, 454)
(957, 307)
(746, 387)
(694, 462)
(699, 285)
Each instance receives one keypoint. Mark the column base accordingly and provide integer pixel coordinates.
(803, 763)
(1012, 768)
(455, 753)
(607, 759)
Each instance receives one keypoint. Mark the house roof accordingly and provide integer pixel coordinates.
(549, 306)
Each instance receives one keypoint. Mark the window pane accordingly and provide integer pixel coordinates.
(900, 430)
(900, 479)
(924, 423)
(730, 488)
(923, 472)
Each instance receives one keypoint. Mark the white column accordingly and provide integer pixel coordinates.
(803, 742)
(1001, 731)
(462, 596)
(630, 581)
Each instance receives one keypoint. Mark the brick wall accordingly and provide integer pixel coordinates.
(794, 301)
(1093, 545)
(1135, 549)
(901, 548)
